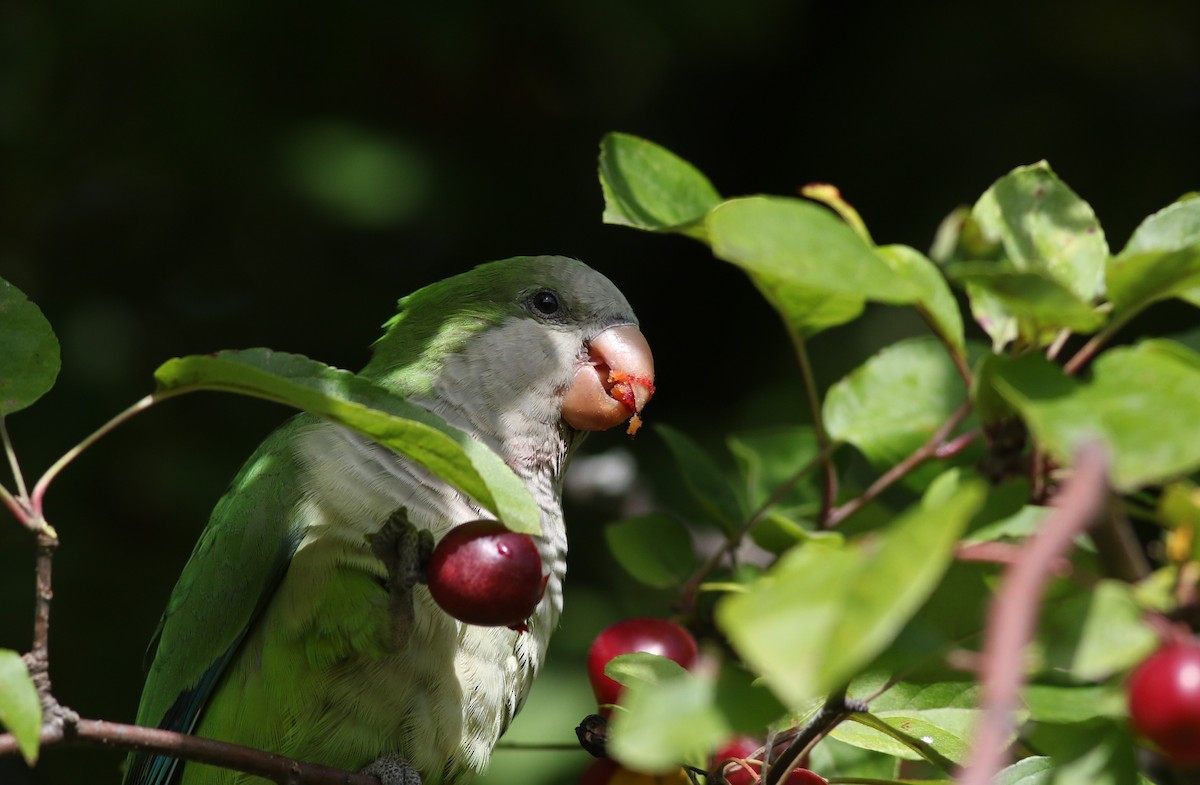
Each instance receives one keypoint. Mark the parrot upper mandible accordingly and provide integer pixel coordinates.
(281, 632)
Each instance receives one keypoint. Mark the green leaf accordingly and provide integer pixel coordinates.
(29, 363)
(703, 478)
(1041, 304)
(1099, 752)
(793, 242)
(654, 548)
(947, 732)
(896, 400)
(1138, 280)
(1094, 634)
(641, 667)
(1036, 770)
(1044, 226)
(649, 187)
(823, 611)
(836, 759)
(1076, 703)
(935, 302)
(666, 722)
(358, 403)
(806, 310)
(771, 458)
(745, 702)
(20, 708)
(1142, 402)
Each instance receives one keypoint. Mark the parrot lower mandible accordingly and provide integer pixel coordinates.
(279, 634)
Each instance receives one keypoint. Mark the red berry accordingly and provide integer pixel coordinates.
(656, 636)
(741, 747)
(1164, 700)
(606, 771)
(599, 772)
(805, 777)
(482, 573)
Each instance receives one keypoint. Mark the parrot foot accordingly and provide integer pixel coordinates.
(393, 770)
(405, 551)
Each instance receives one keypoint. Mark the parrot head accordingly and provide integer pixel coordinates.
(515, 347)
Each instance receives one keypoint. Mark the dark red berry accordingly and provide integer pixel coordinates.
(482, 573)
(656, 636)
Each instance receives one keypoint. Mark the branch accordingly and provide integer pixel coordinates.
(688, 595)
(836, 708)
(1013, 616)
(829, 489)
(933, 448)
(117, 736)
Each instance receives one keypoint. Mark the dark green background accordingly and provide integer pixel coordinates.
(169, 185)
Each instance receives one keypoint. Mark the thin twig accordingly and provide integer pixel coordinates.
(1097, 341)
(1013, 615)
(13, 463)
(830, 488)
(923, 453)
(39, 489)
(117, 736)
(40, 652)
(687, 596)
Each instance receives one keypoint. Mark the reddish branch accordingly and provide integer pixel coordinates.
(1013, 615)
(116, 736)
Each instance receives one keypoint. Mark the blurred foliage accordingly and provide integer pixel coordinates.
(188, 177)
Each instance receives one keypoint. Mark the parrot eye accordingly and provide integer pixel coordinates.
(544, 302)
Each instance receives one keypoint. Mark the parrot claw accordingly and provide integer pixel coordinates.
(393, 770)
(405, 551)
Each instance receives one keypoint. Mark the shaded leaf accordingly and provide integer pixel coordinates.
(1040, 304)
(1176, 227)
(1138, 280)
(891, 404)
(1094, 634)
(771, 458)
(20, 708)
(29, 363)
(1142, 402)
(1044, 226)
(358, 403)
(655, 549)
(823, 611)
(1077, 703)
(1099, 752)
(648, 187)
(703, 478)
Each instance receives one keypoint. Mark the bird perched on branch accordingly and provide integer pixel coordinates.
(290, 629)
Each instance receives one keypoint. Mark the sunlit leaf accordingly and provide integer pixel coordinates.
(648, 187)
(935, 300)
(20, 708)
(666, 722)
(1176, 227)
(1044, 226)
(823, 611)
(358, 403)
(29, 361)
(947, 731)
(1040, 304)
(655, 549)
(891, 404)
(1142, 402)
(1098, 752)
(795, 242)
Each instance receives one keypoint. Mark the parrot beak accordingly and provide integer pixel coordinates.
(613, 383)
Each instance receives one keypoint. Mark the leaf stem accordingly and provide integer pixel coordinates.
(13, 463)
(932, 448)
(830, 488)
(1094, 344)
(39, 489)
(691, 588)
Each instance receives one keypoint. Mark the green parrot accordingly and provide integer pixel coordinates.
(291, 630)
